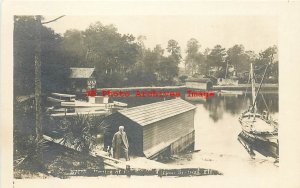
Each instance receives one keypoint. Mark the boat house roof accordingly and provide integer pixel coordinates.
(81, 72)
(150, 113)
(199, 80)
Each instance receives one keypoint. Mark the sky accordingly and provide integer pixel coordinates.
(255, 32)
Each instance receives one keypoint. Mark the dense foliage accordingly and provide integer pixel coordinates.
(122, 59)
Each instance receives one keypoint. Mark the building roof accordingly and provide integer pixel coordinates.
(81, 72)
(150, 113)
(200, 80)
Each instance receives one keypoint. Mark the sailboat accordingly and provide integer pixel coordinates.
(259, 126)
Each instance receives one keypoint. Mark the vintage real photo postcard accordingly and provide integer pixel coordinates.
(146, 97)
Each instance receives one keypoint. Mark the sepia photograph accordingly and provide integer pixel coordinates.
(149, 94)
(144, 96)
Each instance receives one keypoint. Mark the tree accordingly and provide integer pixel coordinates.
(237, 57)
(216, 58)
(192, 55)
(206, 65)
(111, 53)
(36, 57)
(24, 51)
(174, 49)
(146, 69)
(38, 90)
(25, 31)
(167, 70)
(268, 56)
(34, 44)
(75, 52)
(168, 66)
(201, 63)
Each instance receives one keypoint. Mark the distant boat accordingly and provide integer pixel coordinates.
(229, 92)
(260, 126)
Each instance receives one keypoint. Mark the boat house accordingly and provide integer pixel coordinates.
(199, 84)
(82, 79)
(165, 127)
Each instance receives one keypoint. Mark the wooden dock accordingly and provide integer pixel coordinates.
(143, 88)
(245, 86)
(183, 87)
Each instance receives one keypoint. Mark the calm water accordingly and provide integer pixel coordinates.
(218, 117)
(217, 134)
(217, 137)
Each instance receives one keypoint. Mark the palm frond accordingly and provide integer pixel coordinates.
(81, 132)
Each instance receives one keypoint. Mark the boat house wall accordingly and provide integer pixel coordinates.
(154, 128)
(201, 84)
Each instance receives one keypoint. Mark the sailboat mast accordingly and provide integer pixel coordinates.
(252, 85)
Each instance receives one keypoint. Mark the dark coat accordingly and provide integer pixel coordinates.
(120, 145)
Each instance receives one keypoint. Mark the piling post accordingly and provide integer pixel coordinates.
(128, 171)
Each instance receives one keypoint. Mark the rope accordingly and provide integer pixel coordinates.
(246, 89)
(265, 102)
(260, 85)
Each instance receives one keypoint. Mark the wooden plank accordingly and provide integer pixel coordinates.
(81, 113)
(107, 160)
(63, 95)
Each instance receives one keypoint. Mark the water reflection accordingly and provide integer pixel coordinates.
(220, 129)
(235, 104)
(218, 105)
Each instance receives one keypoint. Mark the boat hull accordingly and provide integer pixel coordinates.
(252, 128)
(265, 138)
(268, 149)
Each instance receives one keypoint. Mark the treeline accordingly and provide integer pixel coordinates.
(235, 61)
(119, 59)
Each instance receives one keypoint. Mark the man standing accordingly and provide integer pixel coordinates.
(120, 144)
